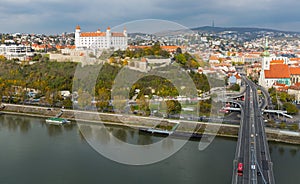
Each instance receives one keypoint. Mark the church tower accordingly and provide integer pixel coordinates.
(266, 56)
(265, 65)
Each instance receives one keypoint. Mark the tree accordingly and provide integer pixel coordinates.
(67, 103)
(294, 127)
(282, 125)
(173, 107)
(204, 106)
(178, 50)
(2, 58)
(290, 108)
(112, 60)
(143, 105)
(103, 99)
(84, 99)
(180, 58)
(235, 87)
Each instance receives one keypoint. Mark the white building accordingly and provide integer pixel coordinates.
(101, 40)
(16, 51)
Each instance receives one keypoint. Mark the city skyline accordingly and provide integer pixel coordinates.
(54, 17)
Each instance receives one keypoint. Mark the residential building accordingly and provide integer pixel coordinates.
(16, 51)
(295, 74)
(295, 90)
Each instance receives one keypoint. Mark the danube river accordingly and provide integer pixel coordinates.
(34, 152)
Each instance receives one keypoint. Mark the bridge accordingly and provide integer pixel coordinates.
(252, 163)
(279, 112)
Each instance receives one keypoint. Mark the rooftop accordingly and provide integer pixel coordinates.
(277, 71)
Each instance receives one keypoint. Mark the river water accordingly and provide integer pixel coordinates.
(34, 152)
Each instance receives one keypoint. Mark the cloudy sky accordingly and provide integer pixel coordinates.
(57, 16)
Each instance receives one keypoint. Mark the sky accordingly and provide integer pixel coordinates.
(57, 16)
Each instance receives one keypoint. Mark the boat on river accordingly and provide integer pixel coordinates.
(57, 121)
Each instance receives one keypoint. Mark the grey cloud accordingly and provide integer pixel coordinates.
(57, 16)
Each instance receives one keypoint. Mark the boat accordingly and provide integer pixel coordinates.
(164, 129)
(56, 121)
(156, 131)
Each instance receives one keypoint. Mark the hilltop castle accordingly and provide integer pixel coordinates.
(101, 40)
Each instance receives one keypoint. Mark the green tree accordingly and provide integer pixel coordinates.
(290, 108)
(2, 58)
(180, 58)
(67, 103)
(205, 106)
(173, 107)
(294, 127)
(103, 99)
(282, 125)
(235, 87)
(143, 105)
(84, 99)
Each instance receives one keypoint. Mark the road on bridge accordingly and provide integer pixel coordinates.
(252, 162)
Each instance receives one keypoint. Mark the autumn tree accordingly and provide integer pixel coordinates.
(103, 98)
(143, 105)
(84, 99)
(173, 107)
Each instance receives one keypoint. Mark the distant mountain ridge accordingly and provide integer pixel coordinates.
(239, 29)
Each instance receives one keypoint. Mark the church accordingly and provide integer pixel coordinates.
(101, 40)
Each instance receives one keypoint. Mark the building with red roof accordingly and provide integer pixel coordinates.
(274, 71)
(295, 74)
(101, 40)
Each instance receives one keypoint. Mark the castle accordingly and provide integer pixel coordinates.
(101, 40)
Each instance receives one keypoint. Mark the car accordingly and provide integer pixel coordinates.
(240, 169)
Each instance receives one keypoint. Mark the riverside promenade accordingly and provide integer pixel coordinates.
(225, 130)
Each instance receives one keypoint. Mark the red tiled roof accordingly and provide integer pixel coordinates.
(294, 59)
(277, 62)
(237, 76)
(92, 34)
(279, 84)
(118, 34)
(296, 86)
(277, 71)
(282, 88)
(60, 47)
(213, 57)
(295, 71)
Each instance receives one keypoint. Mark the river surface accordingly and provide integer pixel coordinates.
(35, 152)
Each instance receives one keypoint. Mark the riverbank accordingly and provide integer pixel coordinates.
(224, 130)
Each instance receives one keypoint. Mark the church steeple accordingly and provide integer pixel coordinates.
(266, 49)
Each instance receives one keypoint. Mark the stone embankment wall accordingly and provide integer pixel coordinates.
(142, 122)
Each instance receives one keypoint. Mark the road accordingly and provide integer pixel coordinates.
(252, 147)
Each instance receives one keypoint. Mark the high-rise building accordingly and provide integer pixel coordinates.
(101, 40)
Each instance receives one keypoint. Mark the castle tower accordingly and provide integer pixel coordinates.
(77, 36)
(125, 31)
(108, 37)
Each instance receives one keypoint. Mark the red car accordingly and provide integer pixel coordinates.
(240, 169)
